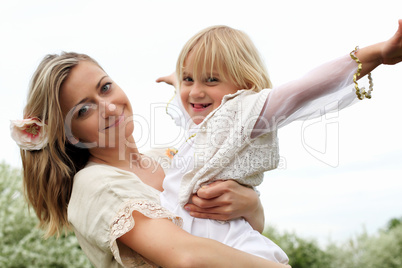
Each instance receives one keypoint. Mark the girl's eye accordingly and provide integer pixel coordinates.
(212, 79)
(187, 79)
(106, 87)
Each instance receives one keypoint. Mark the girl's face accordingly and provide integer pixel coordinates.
(96, 110)
(202, 95)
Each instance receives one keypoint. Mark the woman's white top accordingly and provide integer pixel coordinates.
(100, 211)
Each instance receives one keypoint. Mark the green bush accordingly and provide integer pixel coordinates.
(22, 245)
(383, 249)
(21, 242)
(302, 252)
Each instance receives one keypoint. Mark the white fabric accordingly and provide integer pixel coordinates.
(222, 145)
(235, 233)
(325, 89)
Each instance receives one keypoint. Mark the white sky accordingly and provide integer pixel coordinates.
(338, 174)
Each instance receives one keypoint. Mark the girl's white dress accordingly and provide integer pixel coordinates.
(238, 141)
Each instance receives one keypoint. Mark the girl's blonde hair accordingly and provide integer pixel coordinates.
(48, 173)
(229, 52)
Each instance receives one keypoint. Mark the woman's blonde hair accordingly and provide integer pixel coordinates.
(48, 173)
(229, 52)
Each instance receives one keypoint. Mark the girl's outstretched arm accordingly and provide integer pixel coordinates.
(169, 79)
(326, 88)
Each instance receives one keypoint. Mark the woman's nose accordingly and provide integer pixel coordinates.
(108, 109)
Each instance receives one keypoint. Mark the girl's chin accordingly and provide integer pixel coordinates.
(198, 119)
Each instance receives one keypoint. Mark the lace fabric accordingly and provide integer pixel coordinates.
(223, 148)
(124, 222)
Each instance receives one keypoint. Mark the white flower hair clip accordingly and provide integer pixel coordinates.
(30, 134)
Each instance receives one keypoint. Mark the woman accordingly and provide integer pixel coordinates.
(79, 155)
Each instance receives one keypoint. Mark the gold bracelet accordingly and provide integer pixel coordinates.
(361, 93)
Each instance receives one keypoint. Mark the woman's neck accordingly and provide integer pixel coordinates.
(122, 155)
(128, 158)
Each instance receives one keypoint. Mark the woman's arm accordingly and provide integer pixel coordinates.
(165, 244)
(227, 200)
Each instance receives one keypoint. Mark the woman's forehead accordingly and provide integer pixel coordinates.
(83, 79)
(85, 72)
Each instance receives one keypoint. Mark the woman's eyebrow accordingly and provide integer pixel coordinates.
(85, 99)
(100, 81)
(81, 101)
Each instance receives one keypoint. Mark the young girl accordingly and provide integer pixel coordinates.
(225, 90)
(82, 169)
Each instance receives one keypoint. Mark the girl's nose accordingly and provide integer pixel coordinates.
(197, 91)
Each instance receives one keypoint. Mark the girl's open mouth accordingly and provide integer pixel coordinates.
(200, 105)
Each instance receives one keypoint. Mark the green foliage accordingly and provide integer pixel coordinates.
(383, 249)
(21, 242)
(301, 252)
(22, 245)
(394, 223)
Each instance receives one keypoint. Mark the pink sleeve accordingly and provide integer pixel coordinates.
(324, 89)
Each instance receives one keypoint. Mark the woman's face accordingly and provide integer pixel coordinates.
(97, 112)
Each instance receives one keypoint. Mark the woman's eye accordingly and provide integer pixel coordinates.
(83, 110)
(106, 87)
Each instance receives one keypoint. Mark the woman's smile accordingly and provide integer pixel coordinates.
(117, 122)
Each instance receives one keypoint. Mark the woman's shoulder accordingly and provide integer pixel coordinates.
(97, 175)
(104, 180)
(99, 186)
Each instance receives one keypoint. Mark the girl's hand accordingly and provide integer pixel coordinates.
(388, 52)
(169, 79)
(392, 50)
(227, 200)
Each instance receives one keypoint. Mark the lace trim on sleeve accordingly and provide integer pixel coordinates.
(360, 92)
(124, 222)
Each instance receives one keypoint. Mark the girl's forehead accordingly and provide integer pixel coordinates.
(199, 64)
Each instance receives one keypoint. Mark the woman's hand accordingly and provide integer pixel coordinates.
(227, 200)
